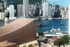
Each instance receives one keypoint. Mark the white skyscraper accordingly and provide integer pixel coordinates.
(47, 10)
(11, 12)
(50, 11)
(53, 9)
(25, 8)
(20, 10)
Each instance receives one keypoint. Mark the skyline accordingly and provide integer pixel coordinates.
(64, 3)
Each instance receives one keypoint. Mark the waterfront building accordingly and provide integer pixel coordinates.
(20, 10)
(25, 8)
(1, 7)
(5, 4)
(53, 9)
(63, 13)
(57, 12)
(31, 11)
(47, 11)
(18, 35)
(2, 16)
(37, 9)
(31, 6)
(67, 12)
(11, 11)
(50, 11)
(1, 12)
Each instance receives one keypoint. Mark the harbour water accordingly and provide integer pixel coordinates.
(47, 25)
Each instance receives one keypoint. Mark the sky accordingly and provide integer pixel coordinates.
(65, 3)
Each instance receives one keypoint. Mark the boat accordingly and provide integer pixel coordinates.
(40, 23)
(54, 29)
(58, 29)
(61, 23)
(50, 18)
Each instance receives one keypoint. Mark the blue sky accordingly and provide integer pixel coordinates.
(60, 2)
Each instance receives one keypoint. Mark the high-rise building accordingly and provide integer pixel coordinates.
(50, 11)
(25, 8)
(47, 10)
(20, 10)
(57, 12)
(2, 16)
(61, 8)
(37, 9)
(31, 11)
(69, 20)
(63, 13)
(53, 9)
